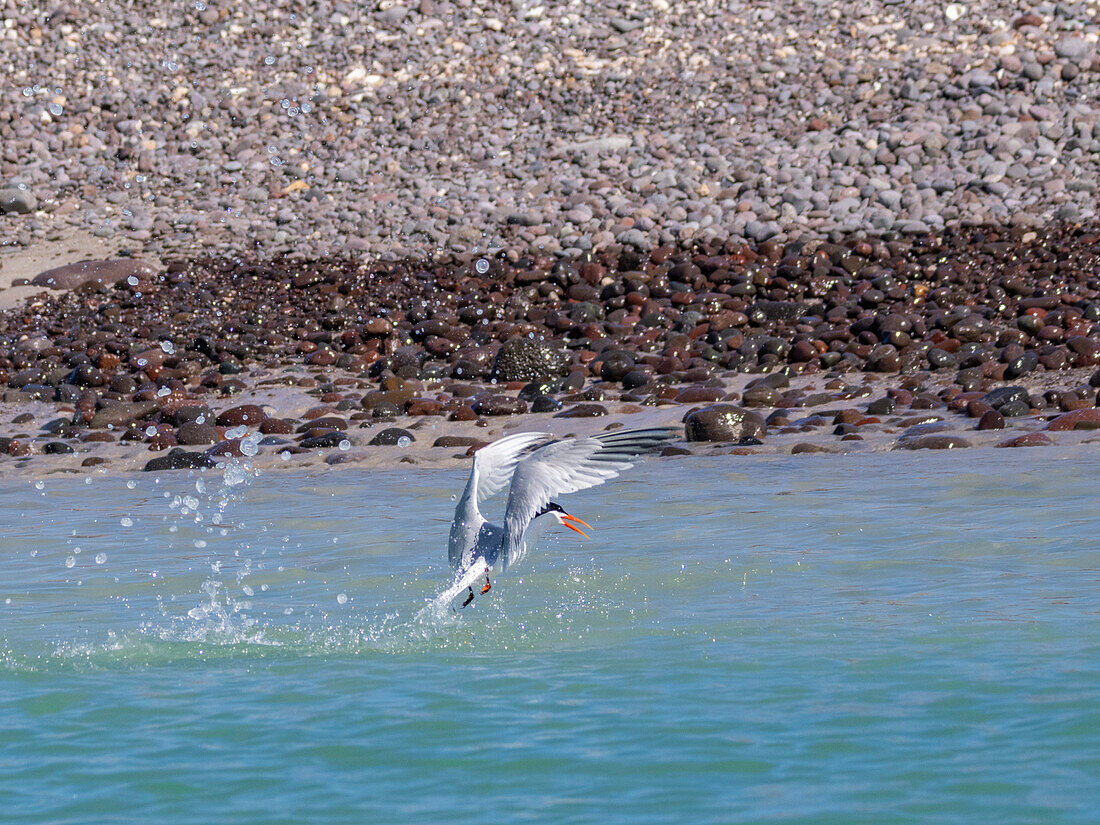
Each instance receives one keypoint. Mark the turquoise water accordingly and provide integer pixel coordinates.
(860, 639)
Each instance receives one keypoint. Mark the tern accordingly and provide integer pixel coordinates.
(535, 470)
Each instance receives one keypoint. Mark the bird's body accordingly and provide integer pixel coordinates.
(534, 470)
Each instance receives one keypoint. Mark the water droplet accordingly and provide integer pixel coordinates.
(285, 455)
(130, 485)
(150, 431)
(40, 485)
(126, 521)
(163, 391)
(482, 266)
(199, 543)
(70, 561)
(168, 347)
(200, 6)
(342, 598)
(344, 445)
(132, 280)
(404, 441)
(236, 432)
(100, 558)
(269, 61)
(56, 109)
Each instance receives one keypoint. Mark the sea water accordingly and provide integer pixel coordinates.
(810, 639)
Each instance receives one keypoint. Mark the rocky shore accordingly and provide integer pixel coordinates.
(405, 129)
(982, 337)
(391, 231)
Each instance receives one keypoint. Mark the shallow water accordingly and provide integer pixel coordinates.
(861, 639)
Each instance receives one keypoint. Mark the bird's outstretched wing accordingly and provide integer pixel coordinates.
(566, 467)
(494, 463)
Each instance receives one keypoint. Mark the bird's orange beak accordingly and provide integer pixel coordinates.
(572, 521)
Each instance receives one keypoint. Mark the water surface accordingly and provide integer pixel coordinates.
(861, 639)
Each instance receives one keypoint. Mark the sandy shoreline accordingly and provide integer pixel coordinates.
(307, 366)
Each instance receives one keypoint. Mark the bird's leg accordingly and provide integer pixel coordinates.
(488, 584)
(470, 597)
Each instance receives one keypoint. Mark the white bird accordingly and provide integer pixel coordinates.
(534, 476)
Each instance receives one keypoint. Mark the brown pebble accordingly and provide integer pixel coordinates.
(462, 414)
(991, 420)
(276, 426)
(1028, 440)
(583, 411)
(932, 442)
(1070, 420)
(459, 441)
(248, 414)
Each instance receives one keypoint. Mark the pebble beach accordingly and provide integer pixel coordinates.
(370, 234)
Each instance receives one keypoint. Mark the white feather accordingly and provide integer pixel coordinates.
(536, 477)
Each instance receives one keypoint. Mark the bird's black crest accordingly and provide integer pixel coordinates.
(550, 508)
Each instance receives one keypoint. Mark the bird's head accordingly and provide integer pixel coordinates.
(557, 512)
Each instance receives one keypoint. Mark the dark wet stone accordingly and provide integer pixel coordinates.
(1028, 440)
(583, 411)
(192, 433)
(1015, 409)
(883, 358)
(57, 448)
(458, 441)
(276, 426)
(1073, 420)
(932, 442)
(230, 448)
(545, 404)
(675, 451)
(121, 414)
(536, 388)
(760, 396)
(390, 436)
(1094, 381)
(939, 359)
(272, 441)
(499, 405)
(572, 382)
(882, 406)
(525, 359)
(1021, 365)
(179, 459)
(701, 395)
(329, 421)
(925, 402)
(723, 422)
(991, 420)
(62, 427)
(635, 378)
(806, 447)
(86, 375)
(616, 366)
(193, 413)
(70, 276)
(249, 415)
(1086, 352)
(1003, 395)
(93, 461)
(325, 440)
